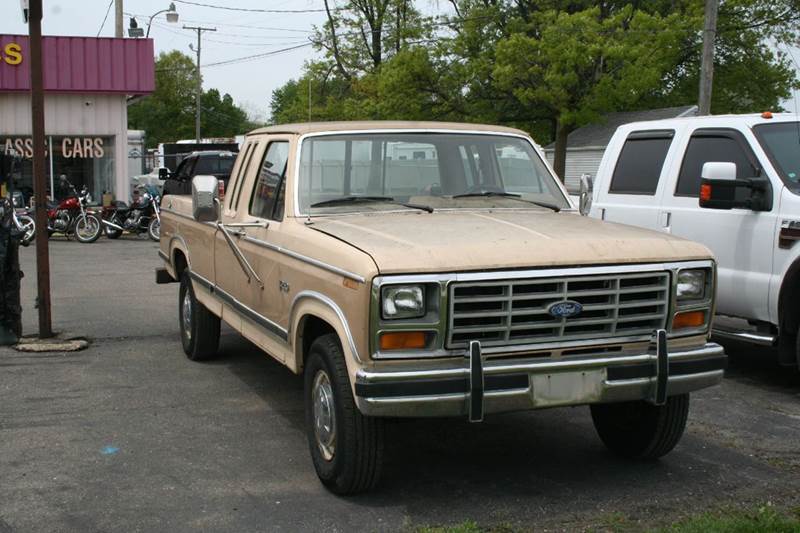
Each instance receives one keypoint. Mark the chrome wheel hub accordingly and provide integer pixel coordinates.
(324, 415)
(186, 315)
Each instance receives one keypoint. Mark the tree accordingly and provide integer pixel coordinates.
(169, 113)
(545, 66)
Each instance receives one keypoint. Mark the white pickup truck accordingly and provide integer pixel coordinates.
(731, 183)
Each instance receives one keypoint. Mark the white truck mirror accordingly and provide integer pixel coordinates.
(718, 171)
(205, 198)
(585, 198)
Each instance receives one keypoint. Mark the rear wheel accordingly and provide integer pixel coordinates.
(154, 229)
(88, 228)
(346, 446)
(199, 326)
(641, 429)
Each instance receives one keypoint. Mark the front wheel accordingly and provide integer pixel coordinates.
(346, 446)
(154, 229)
(27, 227)
(199, 326)
(641, 429)
(88, 228)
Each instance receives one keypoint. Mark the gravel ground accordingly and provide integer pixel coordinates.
(131, 436)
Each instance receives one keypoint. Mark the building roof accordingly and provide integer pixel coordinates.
(598, 135)
(315, 127)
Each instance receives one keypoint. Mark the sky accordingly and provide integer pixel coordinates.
(239, 34)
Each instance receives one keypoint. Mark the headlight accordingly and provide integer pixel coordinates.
(691, 284)
(402, 301)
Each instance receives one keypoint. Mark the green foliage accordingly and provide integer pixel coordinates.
(169, 113)
(539, 64)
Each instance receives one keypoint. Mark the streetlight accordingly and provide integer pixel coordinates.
(172, 17)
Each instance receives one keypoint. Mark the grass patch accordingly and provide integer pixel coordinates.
(765, 518)
(732, 520)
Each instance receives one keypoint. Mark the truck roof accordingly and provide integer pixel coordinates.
(715, 120)
(316, 127)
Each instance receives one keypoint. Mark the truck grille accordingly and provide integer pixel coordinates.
(498, 313)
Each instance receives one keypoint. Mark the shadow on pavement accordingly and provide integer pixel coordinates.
(758, 365)
(551, 459)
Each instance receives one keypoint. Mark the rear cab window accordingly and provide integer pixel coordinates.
(640, 162)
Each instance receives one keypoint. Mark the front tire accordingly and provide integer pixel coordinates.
(346, 446)
(88, 228)
(199, 326)
(154, 230)
(641, 429)
(28, 226)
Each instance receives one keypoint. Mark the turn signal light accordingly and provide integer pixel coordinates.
(705, 192)
(689, 319)
(403, 340)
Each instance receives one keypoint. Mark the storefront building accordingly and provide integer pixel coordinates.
(88, 82)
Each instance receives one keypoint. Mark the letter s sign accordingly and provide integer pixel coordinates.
(12, 54)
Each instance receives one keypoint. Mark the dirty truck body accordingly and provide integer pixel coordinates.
(430, 269)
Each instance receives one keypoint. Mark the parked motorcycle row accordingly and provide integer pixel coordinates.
(73, 217)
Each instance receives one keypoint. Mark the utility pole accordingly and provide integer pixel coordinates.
(707, 65)
(39, 185)
(118, 22)
(199, 88)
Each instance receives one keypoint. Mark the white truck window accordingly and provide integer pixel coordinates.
(713, 145)
(640, 162)
(268, 194)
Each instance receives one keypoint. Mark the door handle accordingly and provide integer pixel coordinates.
(666, 221)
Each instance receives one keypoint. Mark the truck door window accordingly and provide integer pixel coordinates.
(713, 145)
(240, 175)
(270, 185)
(640, 162)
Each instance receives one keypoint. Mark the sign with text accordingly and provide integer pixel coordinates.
(71, 147)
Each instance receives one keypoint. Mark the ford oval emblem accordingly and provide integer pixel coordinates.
(565, 309)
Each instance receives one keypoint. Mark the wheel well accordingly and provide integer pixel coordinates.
(788, 306)
(180, 263)
(312, 328)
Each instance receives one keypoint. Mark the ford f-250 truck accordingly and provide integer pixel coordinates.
(731, 182)
(431, 269)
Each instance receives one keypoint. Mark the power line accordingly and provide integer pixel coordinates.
(255, 56)
(108, 10)
(250, 10)
(249, 26)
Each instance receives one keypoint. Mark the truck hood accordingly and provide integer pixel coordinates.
(451, 241)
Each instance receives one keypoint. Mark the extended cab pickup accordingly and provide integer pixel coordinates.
(729, 182)
(431, 269)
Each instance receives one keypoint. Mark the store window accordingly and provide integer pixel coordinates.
(83, 160)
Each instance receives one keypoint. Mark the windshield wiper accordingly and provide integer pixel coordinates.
(511, 195)
(358, 199)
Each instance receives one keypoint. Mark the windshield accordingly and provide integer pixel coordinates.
(781, 142)
(436, 170)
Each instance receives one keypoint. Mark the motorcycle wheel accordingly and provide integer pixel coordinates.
(88, 228)
(113, 233)
(154, 230)
(28, 227)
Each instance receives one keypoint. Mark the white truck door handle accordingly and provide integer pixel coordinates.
(666, 221)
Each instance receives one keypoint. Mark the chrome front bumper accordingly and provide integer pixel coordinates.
(474, 386)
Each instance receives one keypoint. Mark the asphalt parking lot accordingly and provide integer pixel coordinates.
(131, 436)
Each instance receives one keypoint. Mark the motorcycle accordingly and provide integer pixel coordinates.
(142, 216)
(22, 218)
(24, 224)
(70, 216)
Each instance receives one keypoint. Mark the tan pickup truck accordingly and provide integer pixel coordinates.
(412, 269)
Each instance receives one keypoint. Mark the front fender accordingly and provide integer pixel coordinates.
(314, 304)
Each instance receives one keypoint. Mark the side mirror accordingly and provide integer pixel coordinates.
(720, 189)
(585, 198)
(205, 198)
(163, 173)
